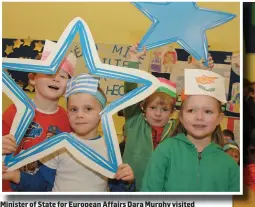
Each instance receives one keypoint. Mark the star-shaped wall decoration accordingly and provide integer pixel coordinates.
(17, 43)
(28, 41)
(8, 49)
(182, 22)
(29, 88)
(38, 46)
(49, 66)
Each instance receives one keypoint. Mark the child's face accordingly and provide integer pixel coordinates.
(83, 112)
(157, 114)
(234, 153)
(200, 116)
(50, 87)
(226, 139)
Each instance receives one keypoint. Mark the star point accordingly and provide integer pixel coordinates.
(9, 49)
(182, 22)
(28, 41)
(17, 43)
(30, 88)
(38, 46)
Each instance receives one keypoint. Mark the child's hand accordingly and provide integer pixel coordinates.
(4, 168)
(13, 176)
(125, 173)
(134, 56)
(8, 144)
(210, 63)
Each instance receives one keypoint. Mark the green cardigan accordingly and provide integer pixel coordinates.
(176, 166)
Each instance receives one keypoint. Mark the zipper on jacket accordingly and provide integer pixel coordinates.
(167, 131)
(154, 137)
(199, 157)
(162, 137)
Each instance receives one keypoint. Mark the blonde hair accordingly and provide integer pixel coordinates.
(165, 100)
(217, 137)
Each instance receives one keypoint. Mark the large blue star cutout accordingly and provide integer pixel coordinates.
(107, 167)
(182, 22)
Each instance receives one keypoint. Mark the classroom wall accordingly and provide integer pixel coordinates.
(110, 23)
(117, 22)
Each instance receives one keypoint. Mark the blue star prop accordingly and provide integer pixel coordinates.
(182, 22)
(95, 67)
(25, 107)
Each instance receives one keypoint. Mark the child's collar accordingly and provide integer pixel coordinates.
(98, 137)
(157, 128)
(46, 112)
(42, 111)
(210, 147)
(95, 138)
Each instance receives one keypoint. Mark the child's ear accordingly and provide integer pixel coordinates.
(31, 78)
(220, 118)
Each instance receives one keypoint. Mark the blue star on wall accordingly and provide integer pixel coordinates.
(182, 22)
(94, 65)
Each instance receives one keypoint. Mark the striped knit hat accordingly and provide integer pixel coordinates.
(167, 86)
(84, 83)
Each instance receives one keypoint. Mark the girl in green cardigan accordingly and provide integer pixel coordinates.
(193, 160)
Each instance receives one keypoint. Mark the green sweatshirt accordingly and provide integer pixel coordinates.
(139, 144)
(176, 166)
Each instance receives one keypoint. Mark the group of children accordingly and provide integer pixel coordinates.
(161, 154)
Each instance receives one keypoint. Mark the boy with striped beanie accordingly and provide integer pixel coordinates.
(61, 171)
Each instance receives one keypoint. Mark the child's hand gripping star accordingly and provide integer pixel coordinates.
(8, 144)
(125, 173)
(210, 63)
(135, 56)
